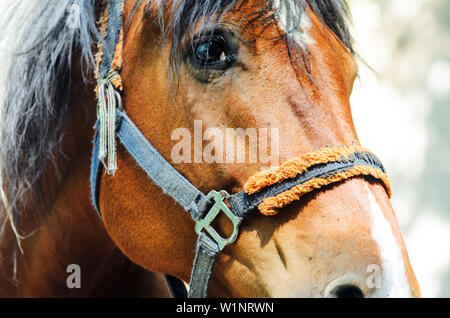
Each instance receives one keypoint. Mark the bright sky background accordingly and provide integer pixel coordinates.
(403, 115)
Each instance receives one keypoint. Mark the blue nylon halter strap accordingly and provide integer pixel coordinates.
(153, 163)
(203, 208)
(114, 25)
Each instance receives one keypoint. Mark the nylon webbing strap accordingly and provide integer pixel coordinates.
(205, 256)
(112, 36)
(159, 169)
(96, 170)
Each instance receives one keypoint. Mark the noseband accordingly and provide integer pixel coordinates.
(267, 191)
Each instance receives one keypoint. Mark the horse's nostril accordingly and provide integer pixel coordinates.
(347, 291)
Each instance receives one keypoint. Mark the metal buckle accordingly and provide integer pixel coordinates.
(205, 223)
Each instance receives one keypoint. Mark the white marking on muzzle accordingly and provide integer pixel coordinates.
(394, 280)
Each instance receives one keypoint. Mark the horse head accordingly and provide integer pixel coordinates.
(250, 65)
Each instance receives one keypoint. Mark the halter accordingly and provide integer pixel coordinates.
(267, 191)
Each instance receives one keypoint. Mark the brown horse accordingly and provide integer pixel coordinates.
(283, 64)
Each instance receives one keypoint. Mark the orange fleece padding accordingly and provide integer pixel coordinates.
(294, 167)
(271, 205)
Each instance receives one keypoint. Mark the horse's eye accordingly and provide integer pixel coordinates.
(214, 52)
